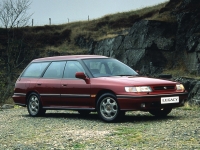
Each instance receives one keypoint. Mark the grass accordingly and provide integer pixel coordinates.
(189, 106)
(9, 101)
(176, 72)
(181, 72)
(139, 131)
(126, 135)
(65, 48)
(110, 24)
(78, 146)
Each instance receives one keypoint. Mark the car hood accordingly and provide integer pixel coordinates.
(134, 80)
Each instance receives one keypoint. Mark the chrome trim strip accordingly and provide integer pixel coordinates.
(66, 108)
(66, 95)
(53, 95)
(20, 94)
(159, 95)
(76, 95)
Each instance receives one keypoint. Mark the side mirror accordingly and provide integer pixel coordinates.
(80, 75)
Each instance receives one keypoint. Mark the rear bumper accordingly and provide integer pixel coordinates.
(19, 99)
(148, 102)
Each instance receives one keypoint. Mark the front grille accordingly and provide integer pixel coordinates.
(164, 87)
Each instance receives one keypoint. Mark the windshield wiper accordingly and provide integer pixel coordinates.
(125, 75)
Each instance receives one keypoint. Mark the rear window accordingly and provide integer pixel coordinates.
(35, 69)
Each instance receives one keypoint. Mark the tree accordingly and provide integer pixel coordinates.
(13, 13)
(14, 49)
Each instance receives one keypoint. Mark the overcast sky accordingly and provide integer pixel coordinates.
(78, 10)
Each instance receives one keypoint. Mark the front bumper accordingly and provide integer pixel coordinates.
(148, 102)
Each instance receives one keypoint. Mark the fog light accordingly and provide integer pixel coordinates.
(142, 105)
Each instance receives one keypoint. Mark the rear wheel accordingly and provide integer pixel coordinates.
(34, 105)
(160, 112)
(107, 107)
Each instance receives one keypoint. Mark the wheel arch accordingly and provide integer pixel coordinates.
(100, 93)
(117, 114)
(28, 93)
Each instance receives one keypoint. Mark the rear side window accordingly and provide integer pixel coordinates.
(35, 70)
(55, 70)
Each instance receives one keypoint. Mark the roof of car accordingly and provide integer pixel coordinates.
(68, 57)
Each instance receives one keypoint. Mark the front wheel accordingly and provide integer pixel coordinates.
(107, 108)
(160, 112)
(34, 105)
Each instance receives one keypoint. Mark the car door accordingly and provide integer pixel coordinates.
(75, 93)
(49, 84)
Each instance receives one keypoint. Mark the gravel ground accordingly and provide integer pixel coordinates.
(68, 130)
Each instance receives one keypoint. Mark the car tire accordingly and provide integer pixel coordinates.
(34, 105)
(84, 112)
(108, 108)
(160, 112)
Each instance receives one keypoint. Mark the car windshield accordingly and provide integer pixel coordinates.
(105, 67)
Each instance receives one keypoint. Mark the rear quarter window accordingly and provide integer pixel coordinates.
(35, 69)
(55, 70)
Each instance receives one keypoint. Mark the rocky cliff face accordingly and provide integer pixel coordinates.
(151, 43)
(187, 13)
(147, 42)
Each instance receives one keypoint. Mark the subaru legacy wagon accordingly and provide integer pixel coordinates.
(87, 83)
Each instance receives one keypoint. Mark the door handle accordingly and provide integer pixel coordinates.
(39, 84)
(64, 85)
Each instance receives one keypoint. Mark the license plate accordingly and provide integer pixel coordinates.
(169, 100)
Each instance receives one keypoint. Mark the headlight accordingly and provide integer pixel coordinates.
(180, 87)
(138, 89)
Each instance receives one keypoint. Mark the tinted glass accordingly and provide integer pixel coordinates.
(35, 69)
(108, 67)
(71, 68)
(55, 70)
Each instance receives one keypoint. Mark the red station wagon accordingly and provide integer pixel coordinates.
(87, 83)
